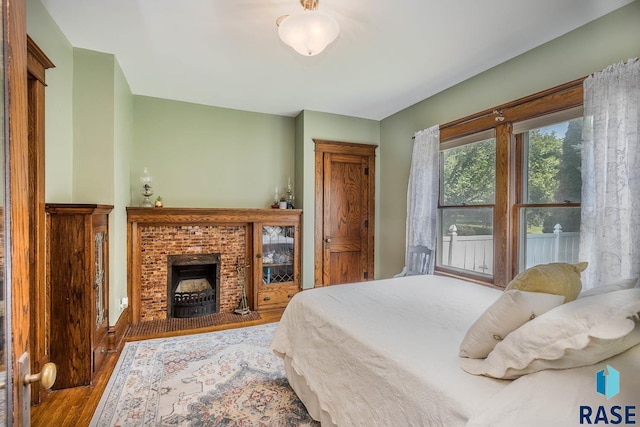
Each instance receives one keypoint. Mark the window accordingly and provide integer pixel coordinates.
(467, 196)
(551, 184)
(510, 187)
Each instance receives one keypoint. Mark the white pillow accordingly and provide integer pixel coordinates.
(618, 285)
(578, 333)
(513, 309)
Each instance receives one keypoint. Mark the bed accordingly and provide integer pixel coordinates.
(387, 353)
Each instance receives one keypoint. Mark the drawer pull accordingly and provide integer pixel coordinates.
(267, 299)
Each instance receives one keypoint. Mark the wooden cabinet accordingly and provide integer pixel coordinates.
(277, 260)
(77, 279)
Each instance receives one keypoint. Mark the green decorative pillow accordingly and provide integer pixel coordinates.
(556, 278)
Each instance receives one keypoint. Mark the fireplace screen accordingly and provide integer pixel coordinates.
(193, 285)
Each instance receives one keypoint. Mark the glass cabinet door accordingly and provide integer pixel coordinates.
(277, 254)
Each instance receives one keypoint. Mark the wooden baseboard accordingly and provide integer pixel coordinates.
(119, 331)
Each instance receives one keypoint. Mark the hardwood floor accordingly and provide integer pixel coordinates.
(75, 406)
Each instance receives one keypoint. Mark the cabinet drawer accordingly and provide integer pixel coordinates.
(276, 298)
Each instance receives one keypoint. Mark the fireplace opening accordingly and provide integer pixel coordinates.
(193, 285)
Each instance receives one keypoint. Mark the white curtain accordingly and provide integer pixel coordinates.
(610, 225)
(422, 195)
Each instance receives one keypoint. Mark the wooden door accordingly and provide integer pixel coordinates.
(16, 232)
(345, 188)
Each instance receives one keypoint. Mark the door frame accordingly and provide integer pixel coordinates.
(37, 64)
(323, 147)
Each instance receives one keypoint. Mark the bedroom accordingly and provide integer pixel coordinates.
(73, 166)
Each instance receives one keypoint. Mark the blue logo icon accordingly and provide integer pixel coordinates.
(608, 384)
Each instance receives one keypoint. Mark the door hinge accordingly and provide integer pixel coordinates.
(366, 275)
(366, 223)
(366, 171)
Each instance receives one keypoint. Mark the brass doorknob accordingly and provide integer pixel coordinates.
(46, 377)
(328, 240)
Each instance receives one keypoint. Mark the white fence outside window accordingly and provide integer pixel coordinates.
(475, 253)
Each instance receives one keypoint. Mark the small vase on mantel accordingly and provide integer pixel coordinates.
(159, 202)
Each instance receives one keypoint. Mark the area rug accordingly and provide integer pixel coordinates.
(225, 378)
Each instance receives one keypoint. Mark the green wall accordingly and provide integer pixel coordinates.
(201, 156)
(588, 49)
(103, 137)
(93, 127)
(332, 127)
(122, 155)
(58, 102)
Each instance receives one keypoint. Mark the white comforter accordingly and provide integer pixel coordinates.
(385, 353)
(553, 398)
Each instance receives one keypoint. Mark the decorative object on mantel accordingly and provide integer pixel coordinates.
(290, 196)
(286, 200)
(308, 32)
(243, 305)
(147, 190)
(276, 199)
(159, 202)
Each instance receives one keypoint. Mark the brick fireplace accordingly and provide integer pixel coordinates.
(157, 243)
(156, 234)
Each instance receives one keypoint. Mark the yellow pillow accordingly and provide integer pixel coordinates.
(556, 278)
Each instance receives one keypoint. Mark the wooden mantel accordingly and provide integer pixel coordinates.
(193, 216)
(139, 218)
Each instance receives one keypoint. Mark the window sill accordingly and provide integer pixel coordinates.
(439, 271)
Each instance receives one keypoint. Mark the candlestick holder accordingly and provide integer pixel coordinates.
(147, 190)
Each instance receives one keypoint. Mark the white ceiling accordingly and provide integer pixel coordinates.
(388, 56)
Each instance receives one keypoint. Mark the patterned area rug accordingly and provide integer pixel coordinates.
(225, 378)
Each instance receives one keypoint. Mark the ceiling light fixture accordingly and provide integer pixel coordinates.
(309, 31)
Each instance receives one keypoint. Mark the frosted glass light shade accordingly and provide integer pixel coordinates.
(308, 32)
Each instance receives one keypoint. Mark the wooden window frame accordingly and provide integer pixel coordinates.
(508, 167)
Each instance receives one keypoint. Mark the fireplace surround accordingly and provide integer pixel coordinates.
(235, 233)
